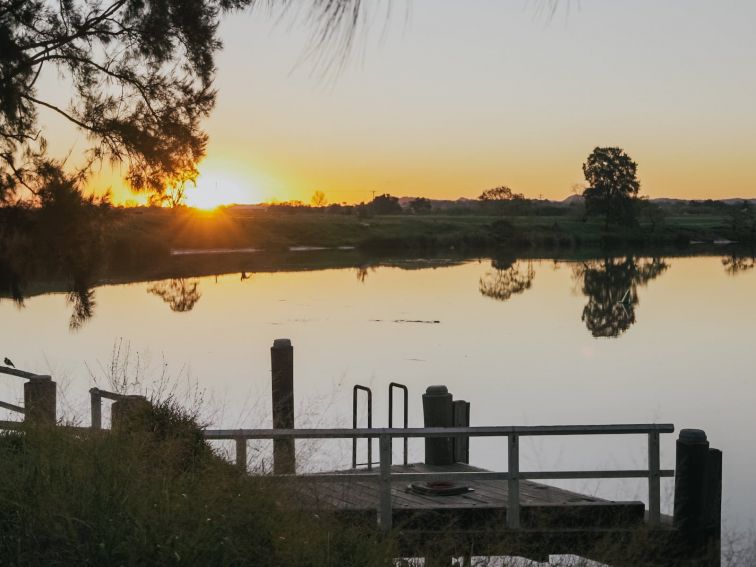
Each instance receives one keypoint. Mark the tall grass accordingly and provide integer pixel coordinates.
(156, 495)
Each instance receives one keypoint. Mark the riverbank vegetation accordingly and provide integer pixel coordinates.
(157, 495)
(469, 225)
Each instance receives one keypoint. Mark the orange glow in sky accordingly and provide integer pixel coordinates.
(217, 186)
(460, 97)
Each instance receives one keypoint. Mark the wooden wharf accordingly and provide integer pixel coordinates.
(495, 513)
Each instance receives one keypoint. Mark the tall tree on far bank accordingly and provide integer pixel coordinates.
(385, 205)
(613, 186)
(502, 193)
(319, 199)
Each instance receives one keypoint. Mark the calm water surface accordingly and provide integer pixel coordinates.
(541, 342)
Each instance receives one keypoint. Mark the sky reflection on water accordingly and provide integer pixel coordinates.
(526, 342)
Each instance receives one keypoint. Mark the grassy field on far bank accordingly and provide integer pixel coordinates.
(160, 230)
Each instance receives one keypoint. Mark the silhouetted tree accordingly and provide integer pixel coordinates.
(613, 185)
(385, 205)
(611, 286)
(180, 295)
(318, 199)
(420, 206)
(505, 279)
(502, 193)
(141, 75)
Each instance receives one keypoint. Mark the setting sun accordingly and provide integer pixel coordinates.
(216, 188)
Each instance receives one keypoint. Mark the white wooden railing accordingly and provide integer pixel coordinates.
(384, 476)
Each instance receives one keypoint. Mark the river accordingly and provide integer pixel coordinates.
(616, 339)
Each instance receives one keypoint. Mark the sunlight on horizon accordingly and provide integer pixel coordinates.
(216, 188)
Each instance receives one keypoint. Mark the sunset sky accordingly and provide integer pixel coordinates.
(444, 98)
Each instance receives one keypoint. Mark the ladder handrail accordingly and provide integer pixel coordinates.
(356, 389)
(402, 387)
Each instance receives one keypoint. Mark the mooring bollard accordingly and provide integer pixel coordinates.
(128, 413)
(40, 400)
(282, 376)
(438, 412)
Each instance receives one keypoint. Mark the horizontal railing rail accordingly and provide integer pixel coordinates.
(19, 374)
(12, 407)
(477, 431)
(23, 373)
(513, 476)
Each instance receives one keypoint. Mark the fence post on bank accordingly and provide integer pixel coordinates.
(282, 378)
(129, 413)
(95, 402)
(40, 400)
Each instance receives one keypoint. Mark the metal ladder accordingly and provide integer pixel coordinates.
(355, 394)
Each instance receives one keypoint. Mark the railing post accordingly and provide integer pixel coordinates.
(96, 405)
(654, 477)
(241, 453)
(40, 400)
(384, 489)
(282, 376)
(513, 484)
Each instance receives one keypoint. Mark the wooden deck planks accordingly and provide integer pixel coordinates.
(538, 501)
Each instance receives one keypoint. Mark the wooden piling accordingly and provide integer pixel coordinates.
(461, 410)
(690, 478)
(438, 412)
(698, 496)
(40, 400)
(282, 377)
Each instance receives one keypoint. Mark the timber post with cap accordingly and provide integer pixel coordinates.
(40, 400)
(698, 495)
(282, 382)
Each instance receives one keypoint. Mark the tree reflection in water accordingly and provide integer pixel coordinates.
(362, 272)
(737, 264)
(506, 278)
(180, 295)
(611, 286)
(82, 300)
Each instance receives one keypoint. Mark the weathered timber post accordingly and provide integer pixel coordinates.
(461, 418)
(129, 413)
(712, 513)
(95, 404)
(40, 400)
(282, 376)
(698, 494)
(438, 412)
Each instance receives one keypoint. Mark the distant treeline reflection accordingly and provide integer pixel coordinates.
(609, 283)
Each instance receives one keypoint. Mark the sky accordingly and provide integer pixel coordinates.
(445, 98)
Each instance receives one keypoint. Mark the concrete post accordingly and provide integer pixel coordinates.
(282, 376)
(438, 412)
(40, 400)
